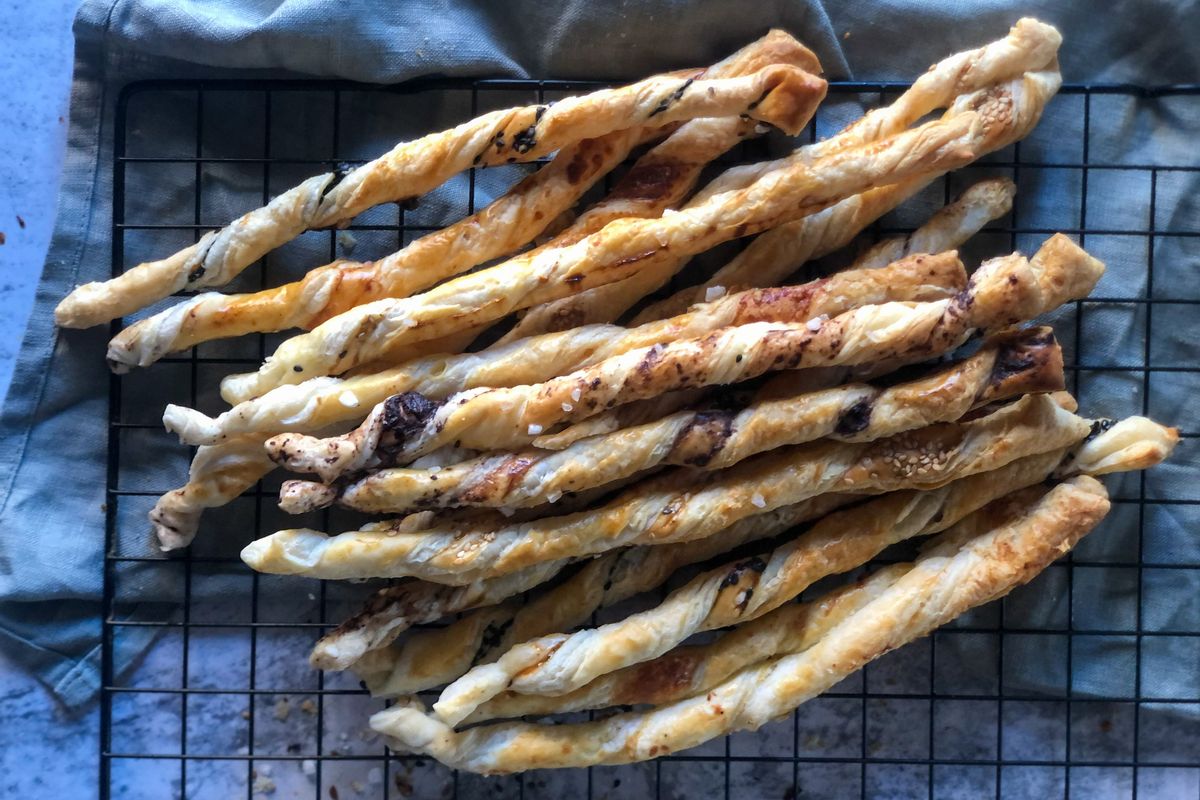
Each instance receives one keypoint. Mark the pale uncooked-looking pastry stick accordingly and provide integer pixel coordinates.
(775, 254)
(434, 657)
(637, 374)
(709, 438)
(218, 474)
(431, 658)
(779, 94)
(748, 588)
(674, 507)
(659, 179)
(1030, 45)
(625, 246)
(982, 558)
(322, 402)
(1002, 291)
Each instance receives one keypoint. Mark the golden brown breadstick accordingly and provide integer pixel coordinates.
(659, 179)
(677, 508)
(775, 254)
(325, 401)
(433, 657)
(710, 438)
(625, 246)
(982, 558)
(1002, 291)
(1029, 46)
(780, 94)
(745, 589)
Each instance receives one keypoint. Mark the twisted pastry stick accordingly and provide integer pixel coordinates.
(747, 589)
(1030, 45)
(431, 658)
(982, 558)
(624, 246)
(217, 475)
(1010, 365)
(216, 259)
(396, 608)
(1001, 292)
(659, 179)
(582, 392)
(322, 402)
(690, 670)
(775, 254)
(779, 94)
(673, 508)
(435, 657)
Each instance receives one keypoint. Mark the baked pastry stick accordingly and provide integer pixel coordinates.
(582, 391)
(710, 438)
(779, 94)
(626, 246)
(741, 590)
(660, 179)
(218, 474)
(1029, 46)
(431, 658)
(765, 260)
(674, 507)
(693, 669)
(323, 402)
(320, 402)
(982, 558)
(1002, 291)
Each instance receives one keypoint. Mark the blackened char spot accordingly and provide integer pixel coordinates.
(699, 442)
(526, 140)
(761, 97)
(755, 564)
(1014, 358)
(1099, 427)
(855, 419)
(493, 637)
(406, 413)
(671, 99)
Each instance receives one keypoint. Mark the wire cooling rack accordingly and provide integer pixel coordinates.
(224, 704)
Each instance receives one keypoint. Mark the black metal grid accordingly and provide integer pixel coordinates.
(878, 753)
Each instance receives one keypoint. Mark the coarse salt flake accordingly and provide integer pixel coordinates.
(814, 324)
(576, 393)
(349, 399)
(758, 501)
(535, 430)
(568, 408)
(713, 293)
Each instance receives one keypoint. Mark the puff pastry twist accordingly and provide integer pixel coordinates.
(779, 94)
(983, 557)
(710, 438)
(1002, 291)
